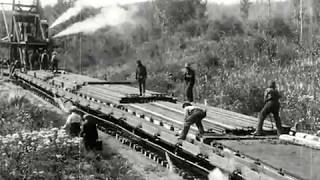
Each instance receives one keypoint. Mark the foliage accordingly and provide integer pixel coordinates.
(227, 26)
(244, 8)
(31, 147)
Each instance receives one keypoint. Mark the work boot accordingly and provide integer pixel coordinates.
(256, 133)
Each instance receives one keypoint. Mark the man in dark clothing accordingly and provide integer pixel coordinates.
(141, 76)
(189, 77)
(44, 60)
(272, 105)
(89, 133)
(34, 60)
(193, 115)
(54, 61)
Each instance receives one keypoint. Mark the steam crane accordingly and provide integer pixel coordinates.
(25, 31)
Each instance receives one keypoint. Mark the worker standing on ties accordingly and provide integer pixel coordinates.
(189, 77)
(89, 132)
(44, 60)
(272, 105)
(193, 115)
(54, 61)
(141, 76)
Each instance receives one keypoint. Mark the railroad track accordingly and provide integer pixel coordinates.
(155, 136)
(188, 167)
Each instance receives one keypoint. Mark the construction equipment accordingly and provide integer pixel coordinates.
(25, 31)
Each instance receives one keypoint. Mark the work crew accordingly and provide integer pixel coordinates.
(89, 133)
(272, 105)
(141, 76)
(189, 77)
(193, 115)
(44, 60)
(73, 122)
(54, 62)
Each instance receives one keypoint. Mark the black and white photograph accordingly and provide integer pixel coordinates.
(160, 90)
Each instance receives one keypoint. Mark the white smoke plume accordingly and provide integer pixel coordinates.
(81, 4)
(112, 16)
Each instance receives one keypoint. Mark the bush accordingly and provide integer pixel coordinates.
(286, 55)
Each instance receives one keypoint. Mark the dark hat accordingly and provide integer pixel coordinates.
(272, 84)
(186, 104)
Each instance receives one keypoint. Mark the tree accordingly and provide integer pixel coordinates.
(244, 9)
(172, 13)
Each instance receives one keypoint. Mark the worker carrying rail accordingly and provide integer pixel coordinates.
(193, 115)
(141, 76)
(272, 105)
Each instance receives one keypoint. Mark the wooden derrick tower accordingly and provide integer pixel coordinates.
(25, 31)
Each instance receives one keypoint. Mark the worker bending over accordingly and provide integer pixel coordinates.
(73, 122)
(193, 115)
(89, 133)
(272, 105)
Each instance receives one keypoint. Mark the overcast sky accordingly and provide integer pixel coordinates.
(51, 2)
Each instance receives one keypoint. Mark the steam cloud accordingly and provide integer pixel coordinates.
(111, 16)
(81, 4)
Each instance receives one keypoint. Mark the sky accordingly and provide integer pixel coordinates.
(51, 2)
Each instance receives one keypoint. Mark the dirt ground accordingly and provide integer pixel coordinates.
(145, 168)
(301, 161)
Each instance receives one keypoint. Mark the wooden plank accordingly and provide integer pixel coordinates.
(224, 114)
(210, 118)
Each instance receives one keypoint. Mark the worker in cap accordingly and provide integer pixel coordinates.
(193, 115)
(54, 61)
(141, 76)
(89, 132)
(189, 78)
(73, 122)
(272, 105)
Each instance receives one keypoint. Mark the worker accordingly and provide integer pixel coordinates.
(141, 76)
(189, 77)
(54, 61)
(171, 82)
(13, 68)
(34, 60)
(73, 122)
(89, 133)
(272, 105)
(193, 115)
(44, 60)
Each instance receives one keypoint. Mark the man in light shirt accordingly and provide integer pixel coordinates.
(73, 122)
(193, 115)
